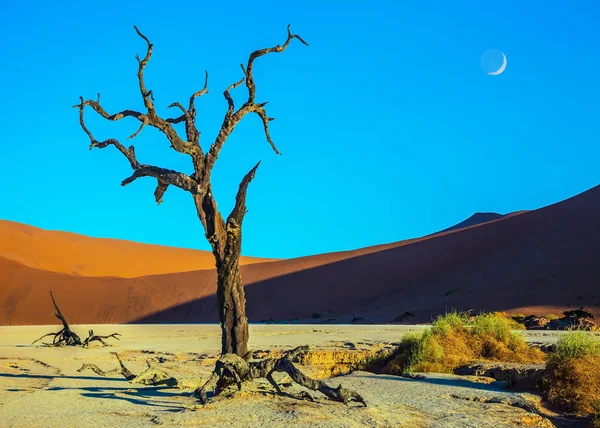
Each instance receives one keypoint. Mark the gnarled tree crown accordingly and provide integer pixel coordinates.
(197, 183)
(223, 235)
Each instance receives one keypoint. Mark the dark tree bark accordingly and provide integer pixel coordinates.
(224, 236)
(231, 369)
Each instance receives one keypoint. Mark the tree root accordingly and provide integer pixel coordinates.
(232, 369)
(66, 337)
(151, 376)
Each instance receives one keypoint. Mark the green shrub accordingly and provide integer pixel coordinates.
(572, 379)
(452, 342)
(447, 323)
(577, 344)
(498, 327)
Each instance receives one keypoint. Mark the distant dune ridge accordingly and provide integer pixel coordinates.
(542, 261)
(479, 218)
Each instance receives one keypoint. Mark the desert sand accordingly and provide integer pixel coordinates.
(40, 387)
(535, 262)
(79, 255)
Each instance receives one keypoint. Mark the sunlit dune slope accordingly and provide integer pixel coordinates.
(75, 254)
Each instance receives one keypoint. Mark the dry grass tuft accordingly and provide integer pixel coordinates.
(454, 340)
(572, 379)
(596, 418)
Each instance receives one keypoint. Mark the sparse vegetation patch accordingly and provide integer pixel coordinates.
(456, 339)
(572, 379)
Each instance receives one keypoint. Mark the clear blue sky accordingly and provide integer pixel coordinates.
(388, 126)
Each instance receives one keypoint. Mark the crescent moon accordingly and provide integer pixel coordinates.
(501, 69)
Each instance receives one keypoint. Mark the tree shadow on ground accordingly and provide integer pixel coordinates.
(496, 386)
(145, 396)
(138, 399)
(50, 377)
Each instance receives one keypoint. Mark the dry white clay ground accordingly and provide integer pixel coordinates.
(40, 386)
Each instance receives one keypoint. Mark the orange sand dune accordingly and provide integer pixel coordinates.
(75, 254)
(80, 255)
(547, 259)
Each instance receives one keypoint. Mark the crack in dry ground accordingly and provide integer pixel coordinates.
(20, 374)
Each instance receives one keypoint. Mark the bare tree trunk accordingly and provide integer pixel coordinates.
(232, 311)
(225, 238)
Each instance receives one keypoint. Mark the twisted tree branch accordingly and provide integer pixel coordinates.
(189, 116)
(260, 52)
(165, 177)
(233, 118)
(191, 147)
(93, 337)
(260, 111)
(202, 164)
(146, 95)
(203, 91)
(227, 95)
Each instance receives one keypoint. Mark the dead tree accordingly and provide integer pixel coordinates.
(231, 369)
(69, 338)
(224, 235)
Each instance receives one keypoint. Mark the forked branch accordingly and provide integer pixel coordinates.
(203, 91)
(189, 116)
(164, 177)
(146, 95)
(232, 117)
(260, 52)
(190, 147)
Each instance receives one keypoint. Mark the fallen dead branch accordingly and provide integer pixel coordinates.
(151, 376)
(92, 337)
(67, 337)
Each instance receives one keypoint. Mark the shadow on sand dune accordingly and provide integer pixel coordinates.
(548, 258)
